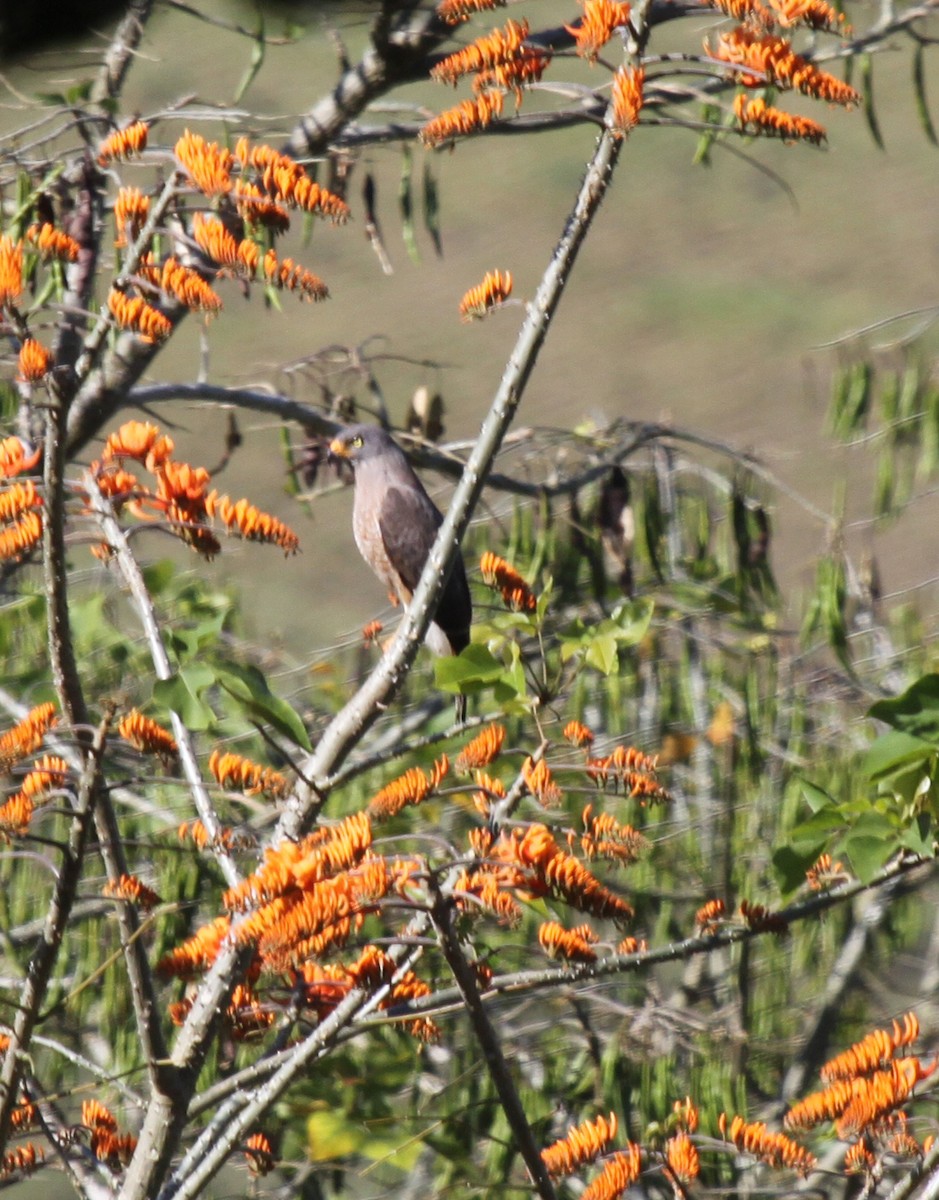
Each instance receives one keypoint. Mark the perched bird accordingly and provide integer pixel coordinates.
(395, 523)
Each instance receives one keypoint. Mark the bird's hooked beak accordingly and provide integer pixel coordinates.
(338, 451)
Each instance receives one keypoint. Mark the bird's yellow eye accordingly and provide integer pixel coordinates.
(356, 442)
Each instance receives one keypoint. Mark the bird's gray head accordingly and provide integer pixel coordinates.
(359, 443)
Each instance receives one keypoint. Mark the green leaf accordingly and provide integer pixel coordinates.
(247, 685)
(867, 855)
(791, 864)
(919, 89)
(474, 669)
(919, 837)
(894, 751)
(867, 90)
(182, 693)
(915, 712)
(79, 92)
(602, 653)
(159, 575)
(633, 618)
(815, 797)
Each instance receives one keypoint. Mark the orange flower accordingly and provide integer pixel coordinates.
(133, 312)
(214, 240)
(873, 1051)
(489, 788)
(48, 775)
(582, 1145)
(96, 1116)
(494, 290)
(251, 523)
(682, 1157)
(774, 1149)
(774, 121)
(284, 179)
(27, 735)
(413, 787)
(52, 242)
(605, 837)
(147, 736)
(122, 143)
(370, 632)
(497, 573)
(686, 1114)
(572, 944)
(258, 209)
(130, 888)
(23, 1158)
(824, 873)
(596, 26)
(578, 734)
(634, 770)
(750, 12)
(131, 209)
(197, 953)
(494, 50)
(708, 916)
(524, 69)
(18, 539)
(15, 815)
(768, 58)
(207, 164)
(456, 11)
(758, 917)
(13, 457)
(224, 839)
(482, 750)
(260, 1156)
(188, 287)
(34, 361)
(618, 1173)
(540, 782)
(290, 275)
(11, 271)
(816, 14)
(628, 83)
(139, 440)
(232, 770)
(17, 499)
(465, 118)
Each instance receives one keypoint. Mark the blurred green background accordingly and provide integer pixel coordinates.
(702, 296)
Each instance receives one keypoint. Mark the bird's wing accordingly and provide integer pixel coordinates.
(408, 522)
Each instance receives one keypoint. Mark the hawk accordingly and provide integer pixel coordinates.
(395, 523)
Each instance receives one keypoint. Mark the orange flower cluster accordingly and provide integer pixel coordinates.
(748, 12)
(685, 1114)
(633, 770)
(578, 734)
(575, 945)
(482, 750)
(605, 837)
(628, 84)
(490, 788)
(284, 179)
(494, 50)
(824, 873)
(257, 209)
(17, 499)
(15, 816)
(23, 1115)
(182, 495)
(235, 771)
(133, 312)
(413, 787)
(582, 1145)
(774, 1149)
(497, 573)
(186, 285)
(11, 271)
(19, 538)
(454, 12)
(767, 58)
(285, 273)
(107, 1145)
(708, 917)
(27, 735)
(122, 143)
(48, 774)
(682, 1157)
(130, 888)
(494, 290)
(215, 241)
(860, 1104)
(596, 26)
(225, 839)
(539, 866)
(488, 887)
(816, 14)
(766, 119)
(873, 1051)
(244, 1016)
(13, 458)
(145, 735)
(619, 1173)
(325, 985)
(52, 242)
(468, 117)
(762, 919)
(260, 1156)
(540, 782)
(23, 1158)
(34, 361)
(207, 164)
(526, 68)
(131, 209)
(196, 953)
(370, 632)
